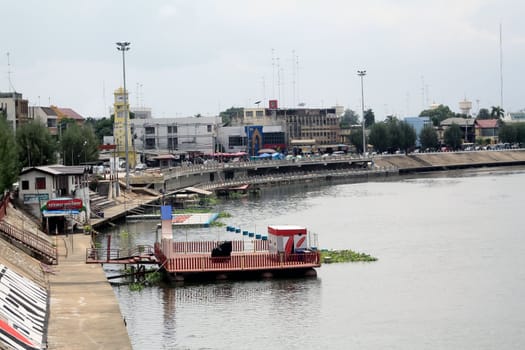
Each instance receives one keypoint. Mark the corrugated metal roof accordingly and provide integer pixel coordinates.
(56, 170)
(487, 123)
(71, 113)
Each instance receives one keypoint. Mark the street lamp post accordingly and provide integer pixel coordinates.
(124, 46)
(362, 73)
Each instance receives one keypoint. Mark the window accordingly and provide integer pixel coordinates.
(150, 144)
(258, 113)
(172, 142)
(249, 113)
(149, 130)
(274, 137)
(172, 129)
(209, 128)
(25, 185)
(40, 183)
(236, 141)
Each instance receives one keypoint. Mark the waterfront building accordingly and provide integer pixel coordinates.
(57, 183)
(47, 116)
(15, 108)
(141, 112)
(68, 113)
(189, 135)
(467, 125)
(487, 129)
(515, 117)
(418, 123)
(299, 124)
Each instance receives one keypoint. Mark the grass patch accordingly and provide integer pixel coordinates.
(347, 255)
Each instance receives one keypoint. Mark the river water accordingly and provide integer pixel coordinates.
(450, 274)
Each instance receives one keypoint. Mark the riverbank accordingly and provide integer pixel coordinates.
(423, 162)
(80, 308)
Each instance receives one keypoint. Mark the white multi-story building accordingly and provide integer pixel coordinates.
(175, 135)
(15, 108)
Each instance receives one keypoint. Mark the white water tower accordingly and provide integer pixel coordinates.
(465, 107)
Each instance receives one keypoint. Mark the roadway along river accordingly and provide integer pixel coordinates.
(450, 274)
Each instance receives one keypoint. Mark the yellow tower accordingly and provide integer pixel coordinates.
(121, 108)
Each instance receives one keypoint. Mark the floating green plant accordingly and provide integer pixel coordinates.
(346, 255)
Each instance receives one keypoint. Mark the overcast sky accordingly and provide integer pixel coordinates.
(193, 56)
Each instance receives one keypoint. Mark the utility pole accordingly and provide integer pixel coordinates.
(362, 73)
(124, 46)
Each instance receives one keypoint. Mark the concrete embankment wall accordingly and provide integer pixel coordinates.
(450, 160)
(24, 297)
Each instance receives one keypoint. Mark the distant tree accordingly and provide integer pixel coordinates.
(370, 118)
(356, 139)
(520, 132)
(391, 118)
(102, 127)
(380, 137)
(508, 133)
(497, 112)
(198, 115)
(428, 137)
(9, 166)
(78, 145)
(483, 114)
(35, 145)
(349, 118)
(453, 136)
(437, 115)
(408, 136)
(229, 114)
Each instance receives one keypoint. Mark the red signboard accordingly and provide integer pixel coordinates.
(106, 147)
(273, 104)
(64, 204)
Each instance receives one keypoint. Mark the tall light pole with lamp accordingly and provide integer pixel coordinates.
(362, 73)
(124, 46)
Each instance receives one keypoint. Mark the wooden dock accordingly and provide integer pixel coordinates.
(184, 261)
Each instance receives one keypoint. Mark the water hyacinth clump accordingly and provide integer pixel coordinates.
(346, 255)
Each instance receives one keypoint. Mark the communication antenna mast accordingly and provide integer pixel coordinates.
(293, 78)
(297, 76)
(138, 101)
(273, 73)
(11, 87)
(501, 65)
(278, 80)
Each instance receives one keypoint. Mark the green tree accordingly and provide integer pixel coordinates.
(9, 166)
(453, 136)
(437, 115)
(483, 114)
(36, 146)
(428, 137)
(356, 139)
(408, 136)
(520, 132)
(102, 127)
(78, 145)
(497, 112)
(379, 137)
(370, 118)
(229, 114)
(508, 133)
(349, 118)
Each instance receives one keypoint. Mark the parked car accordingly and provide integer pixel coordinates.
(141, 166)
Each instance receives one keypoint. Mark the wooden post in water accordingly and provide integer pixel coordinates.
(109, 247)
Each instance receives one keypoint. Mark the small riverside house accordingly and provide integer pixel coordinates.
(57, 194)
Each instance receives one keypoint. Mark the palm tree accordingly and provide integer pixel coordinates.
(497, 112)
